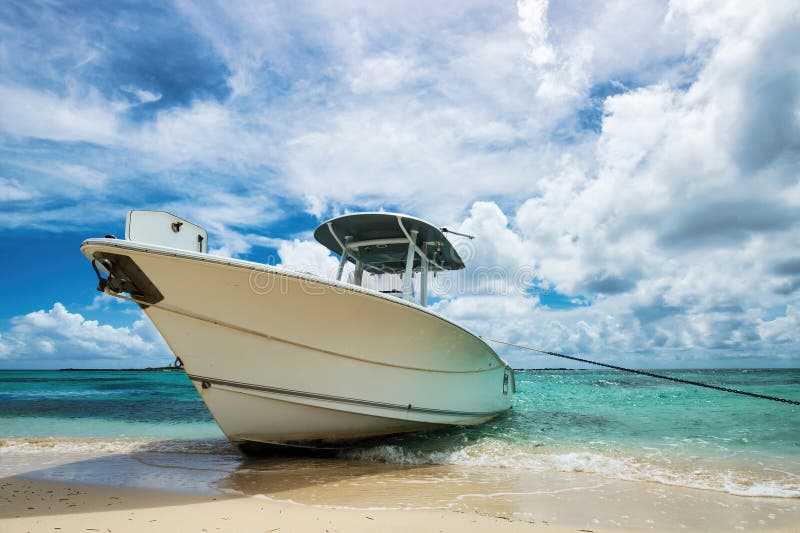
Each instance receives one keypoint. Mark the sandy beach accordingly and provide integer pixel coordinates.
(149, 491)
(37, 506)
(27, 505)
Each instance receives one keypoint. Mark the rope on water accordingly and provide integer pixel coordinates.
(645, 373)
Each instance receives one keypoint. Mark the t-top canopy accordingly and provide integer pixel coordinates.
(380, 241)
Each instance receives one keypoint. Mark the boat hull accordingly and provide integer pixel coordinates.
(282, 357)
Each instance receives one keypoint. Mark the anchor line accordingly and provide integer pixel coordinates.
(645, 373)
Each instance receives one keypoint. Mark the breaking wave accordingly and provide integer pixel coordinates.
(492, 453)
(484, 453)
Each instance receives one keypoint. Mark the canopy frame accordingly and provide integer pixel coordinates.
(423, 256)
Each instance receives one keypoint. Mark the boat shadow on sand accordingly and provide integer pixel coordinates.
(176, 477)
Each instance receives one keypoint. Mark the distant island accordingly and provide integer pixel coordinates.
(146, 369)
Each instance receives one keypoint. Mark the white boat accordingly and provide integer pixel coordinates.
(287, 357)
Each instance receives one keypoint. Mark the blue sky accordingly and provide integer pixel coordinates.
(630, 170)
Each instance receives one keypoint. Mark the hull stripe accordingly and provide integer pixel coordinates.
(340, 399)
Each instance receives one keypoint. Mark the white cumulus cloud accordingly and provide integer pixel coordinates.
(57, 334)
(637, 159)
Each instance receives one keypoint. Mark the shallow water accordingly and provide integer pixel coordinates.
(596, 425)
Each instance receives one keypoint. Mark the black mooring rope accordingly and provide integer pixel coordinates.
(644, 373)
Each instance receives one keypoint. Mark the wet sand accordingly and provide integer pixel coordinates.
(28, 505)
(197, 492)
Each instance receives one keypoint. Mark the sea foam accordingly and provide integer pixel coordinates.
(493, 453)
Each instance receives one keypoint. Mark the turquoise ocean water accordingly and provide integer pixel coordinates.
(616, 425)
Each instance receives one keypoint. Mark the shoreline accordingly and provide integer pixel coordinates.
(168, 490)
(723, 476)
(33, 505)
(36, 506)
